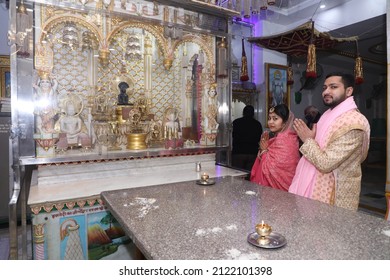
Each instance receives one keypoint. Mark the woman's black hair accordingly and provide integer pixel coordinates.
(282, 111)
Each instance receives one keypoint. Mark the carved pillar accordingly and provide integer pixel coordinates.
(148, 68)
(39, 241)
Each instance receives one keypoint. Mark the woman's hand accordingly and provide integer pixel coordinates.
(264, 141)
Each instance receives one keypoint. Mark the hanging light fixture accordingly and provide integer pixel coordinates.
(184, 59)
(70, 35)
(22, 18)
(88, 41)
(22, 27)
(247, 8)
(244, 65)
(264, 5)
(133, 48)
(222, 57)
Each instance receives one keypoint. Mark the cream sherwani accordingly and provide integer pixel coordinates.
(343, 157)
(336, 179)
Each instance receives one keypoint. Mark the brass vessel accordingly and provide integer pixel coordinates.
(136, 141)
(263, 230)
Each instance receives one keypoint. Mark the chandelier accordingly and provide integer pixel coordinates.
(247, 7)
(70, 35)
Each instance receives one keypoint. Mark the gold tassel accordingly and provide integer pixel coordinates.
(244, 65)
(311, 70)
(290, 75)
(359, 71)
(358, 67)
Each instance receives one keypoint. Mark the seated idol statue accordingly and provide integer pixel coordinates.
(123, 98)
(171, 123)
(155, 130)
(135, 121)
(71, 124)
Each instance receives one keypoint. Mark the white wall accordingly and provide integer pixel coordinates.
(349, 13)
(4, 18)
(262, 56)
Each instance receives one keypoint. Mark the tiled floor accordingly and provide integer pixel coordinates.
(372, 196)
(372, 201)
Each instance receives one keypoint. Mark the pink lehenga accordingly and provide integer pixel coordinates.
(276, 167)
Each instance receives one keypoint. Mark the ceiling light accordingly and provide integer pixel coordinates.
(322, 6)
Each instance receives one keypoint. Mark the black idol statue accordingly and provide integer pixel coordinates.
(123, 98)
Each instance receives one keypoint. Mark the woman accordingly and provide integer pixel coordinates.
(278, 156)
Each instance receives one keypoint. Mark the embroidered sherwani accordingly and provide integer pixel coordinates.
(338, 163)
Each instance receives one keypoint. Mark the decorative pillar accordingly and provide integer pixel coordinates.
(148, 68)
(39, 241)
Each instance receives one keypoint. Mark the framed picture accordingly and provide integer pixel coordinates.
(277, 90)
(5, 78)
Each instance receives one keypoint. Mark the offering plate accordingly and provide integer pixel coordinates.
(208, 182)
(276, 240)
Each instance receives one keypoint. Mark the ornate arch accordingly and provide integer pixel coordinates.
(59, 19)
(156, 31)
(189, 38)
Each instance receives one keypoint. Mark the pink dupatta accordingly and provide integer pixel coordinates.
(305, 175)
(276, 168)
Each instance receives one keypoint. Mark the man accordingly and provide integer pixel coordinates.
(312, 115)
(330, 168)
(246, 136)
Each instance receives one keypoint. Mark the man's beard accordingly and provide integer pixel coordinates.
(334, 102)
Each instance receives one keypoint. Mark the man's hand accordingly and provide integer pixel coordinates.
(303, 131)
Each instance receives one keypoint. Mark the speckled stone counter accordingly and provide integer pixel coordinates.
(71, 182)
(66, 198)
(187, 221)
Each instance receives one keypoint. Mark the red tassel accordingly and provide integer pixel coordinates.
(311, 75)
(359, 80)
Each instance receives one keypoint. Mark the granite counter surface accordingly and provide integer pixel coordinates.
(188, 221)
(75, 181)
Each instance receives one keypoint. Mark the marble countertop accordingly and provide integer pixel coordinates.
(70, 182)
(188, 221)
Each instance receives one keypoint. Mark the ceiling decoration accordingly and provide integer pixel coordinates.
(295, 42)
(305, 40)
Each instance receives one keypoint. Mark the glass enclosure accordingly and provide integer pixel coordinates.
(118, 79)
(102, 80)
